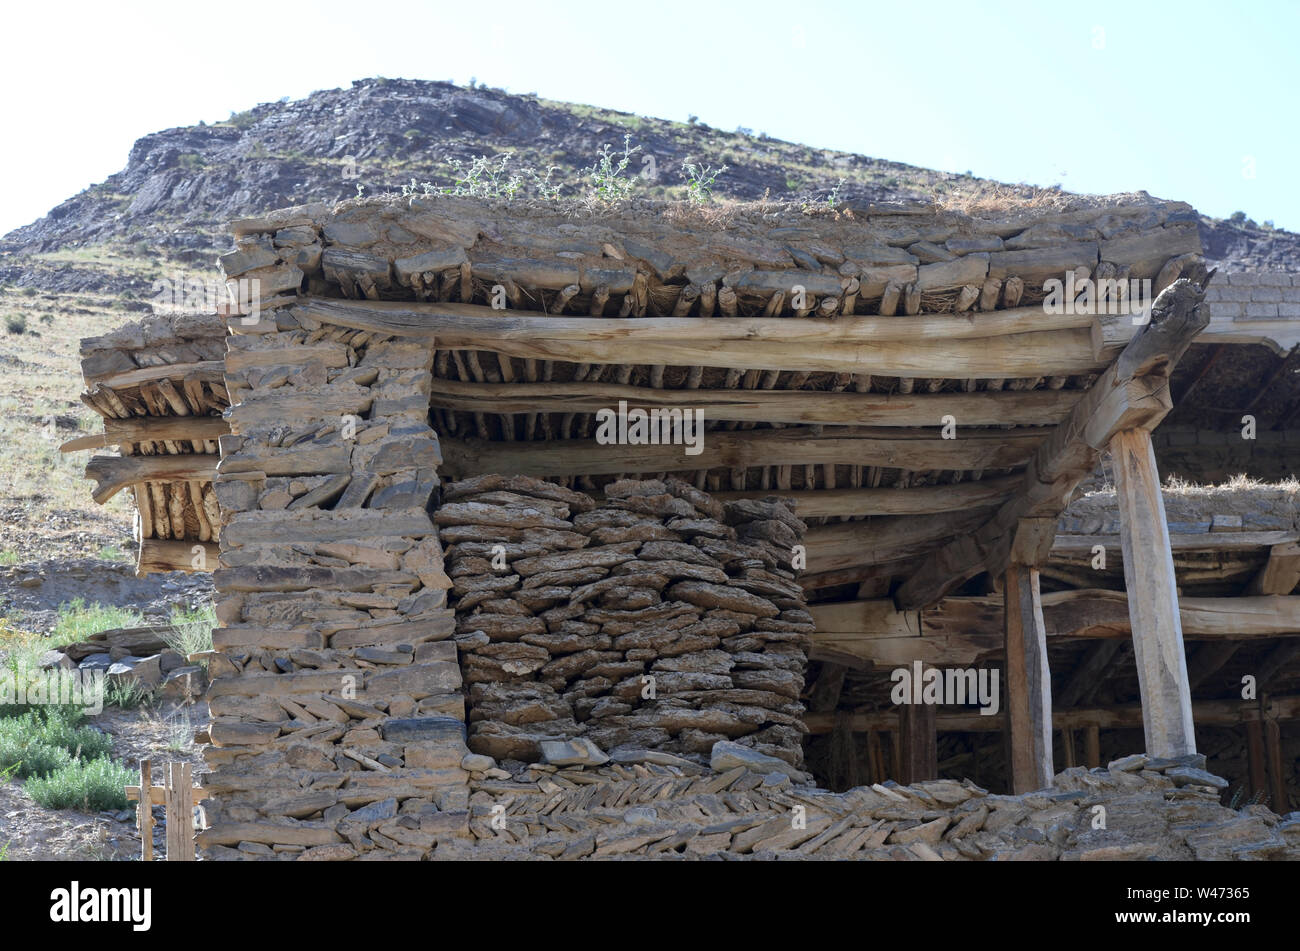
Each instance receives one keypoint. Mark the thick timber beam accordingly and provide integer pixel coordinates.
(114, 473)
(1208, 712)
(1281, 573)
(1153, 597)
(159, 554)
(921, 500)
(794, 407)
(793, 446)
(867, 345)
(134, 429)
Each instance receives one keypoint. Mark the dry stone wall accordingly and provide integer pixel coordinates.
(648, 806)
(337, 710)
(660, 619)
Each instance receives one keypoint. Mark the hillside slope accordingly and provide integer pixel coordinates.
(181, 185)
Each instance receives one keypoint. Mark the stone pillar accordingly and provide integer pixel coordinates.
(337, 709)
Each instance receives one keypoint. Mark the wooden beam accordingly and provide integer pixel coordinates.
(213, 371)
(869, 345)
(868, 633)
(1133, 393)
(1092, 746)
(1127, 716)
(114, 473)
(918, 740)
(443, 320)
(1080, 546)
(795, 407)
(1029, 682)
(1281, 573)
(1208, 659)
(118, 432)
(867, 619)
(861, 446)
(1153, 597)
(1255, 757)
(882, 540)
(1278, 768)
(160, 554)
(825, 694)
(1088, 672)
(1278, 658)
(920, 500)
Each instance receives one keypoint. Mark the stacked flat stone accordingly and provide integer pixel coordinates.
(659, 619)
(648, 806)
(337, 712)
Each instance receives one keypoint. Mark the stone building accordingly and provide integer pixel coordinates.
(485, 588)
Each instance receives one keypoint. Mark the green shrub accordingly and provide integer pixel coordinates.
(700, 180)
(41, 740)
(127, 695)
(90, 785)
(16, 324)
(607, 181)
(77, 621)
(192, 630)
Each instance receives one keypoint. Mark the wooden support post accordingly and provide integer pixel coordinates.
(1029, 683)
(1092, 746)
(1152, 597)
(178, 796)
(1067, 742)
(1255, 756)
(144, 812)
(1273, 746)
(875, 757)
(918, 742)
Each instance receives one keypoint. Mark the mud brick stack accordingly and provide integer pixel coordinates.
(660, 618)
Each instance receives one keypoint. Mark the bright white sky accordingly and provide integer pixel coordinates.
(1191, 101)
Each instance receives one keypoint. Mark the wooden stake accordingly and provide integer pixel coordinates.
(1092, 746)
(144, 811)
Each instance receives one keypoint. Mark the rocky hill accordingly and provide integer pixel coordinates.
(181, 185)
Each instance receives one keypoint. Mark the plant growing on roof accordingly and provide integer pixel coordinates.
(700, 180)
(608, 183)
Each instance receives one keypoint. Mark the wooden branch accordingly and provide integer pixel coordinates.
(135, 429)
(1033, 408)
(793, 446)
(933, 346)
(114, 473)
